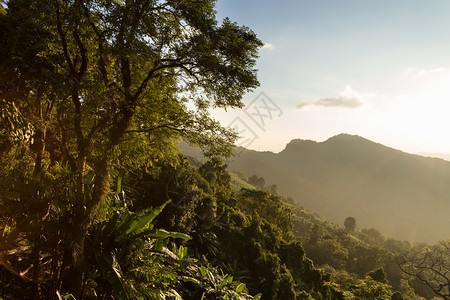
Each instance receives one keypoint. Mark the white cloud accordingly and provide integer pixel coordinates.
(425, 72)
(268, 47)
(348, 98)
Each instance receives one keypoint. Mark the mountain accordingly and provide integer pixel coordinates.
(405, 196)
(437, 155)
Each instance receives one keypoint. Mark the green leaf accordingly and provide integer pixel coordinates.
(226, 279)
(161, 233)
(240, 288)
(159, 246)
(119, 185)
(182, 252)
(137, 226)
(124, 225)
(190, 279)
(202, 271)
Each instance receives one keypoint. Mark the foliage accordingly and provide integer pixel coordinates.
(215, 173)
(371, 289)
(267, 206)
(350, 256)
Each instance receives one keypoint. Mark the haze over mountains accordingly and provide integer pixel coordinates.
(403, 195)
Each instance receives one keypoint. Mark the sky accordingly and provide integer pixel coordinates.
(378, 69)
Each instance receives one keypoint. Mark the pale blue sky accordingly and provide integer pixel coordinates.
(380, 69)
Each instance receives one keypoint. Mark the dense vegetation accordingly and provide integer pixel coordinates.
(92, 91)
(249, 237)
(96, 201)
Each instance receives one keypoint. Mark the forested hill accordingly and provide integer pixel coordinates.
(406, 196)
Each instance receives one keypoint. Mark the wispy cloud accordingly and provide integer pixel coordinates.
(425, 72)
(348, 98)
(268, 46)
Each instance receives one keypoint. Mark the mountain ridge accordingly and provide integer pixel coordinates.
(402, 194)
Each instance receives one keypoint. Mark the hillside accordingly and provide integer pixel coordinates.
(405, 196)
(348, 256)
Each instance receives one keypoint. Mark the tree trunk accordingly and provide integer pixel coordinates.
(101, 185)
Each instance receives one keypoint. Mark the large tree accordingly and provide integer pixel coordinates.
(106, 85)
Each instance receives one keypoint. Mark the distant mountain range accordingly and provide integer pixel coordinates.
(403, 195)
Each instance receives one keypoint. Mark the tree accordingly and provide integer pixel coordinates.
(216, 174)
(350, 224)
(371, 289)
(373, 236)
(378, 275)
(267, 206)
(258, 182)
(431, 266)
(105, 86)
(273, 189)
(327, 251)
